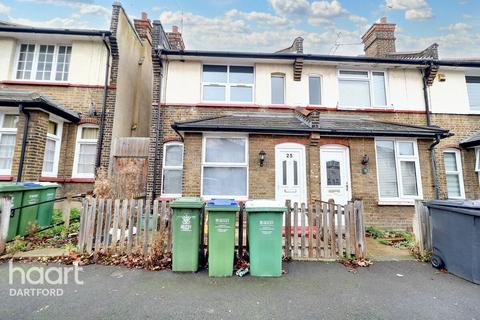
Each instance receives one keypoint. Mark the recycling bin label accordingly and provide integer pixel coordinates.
(222, 224)
(186, 225)
(266, 226)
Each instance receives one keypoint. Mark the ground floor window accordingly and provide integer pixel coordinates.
(52, 149)
(225, 166)
(453, 173)
(398, 169)
(85, 152)
(8, 135)
(172, 169)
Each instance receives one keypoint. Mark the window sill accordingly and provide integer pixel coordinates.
(6, 178)
(55, 179)
(410, 202)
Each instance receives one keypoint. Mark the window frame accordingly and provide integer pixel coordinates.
(370, 86)
(204, 164)
(36, 53)
(279, 75)
(477, 159)
(401, 199)
(78, 142)
(468, 95)
(165, 167)
(316, 75)
(227, 85)
(3, 112)
(58, 143)
(459, 172)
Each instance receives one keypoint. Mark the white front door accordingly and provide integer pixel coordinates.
(335, 173)
(290, 173)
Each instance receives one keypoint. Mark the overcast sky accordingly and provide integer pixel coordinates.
(269, 25)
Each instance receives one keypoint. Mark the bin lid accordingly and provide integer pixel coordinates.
(47, 185)
(31, 185)
(10, 186)
(470, 207)
(187, 202)
(222, 205)
(265, 206)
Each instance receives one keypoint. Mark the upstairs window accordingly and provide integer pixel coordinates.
(227, 83)
(473, 89)
(398, 169)
(85, 152)
(362, 88)
(8, 134)
(278, 89)
(52, 149)
(172, 169)
(42, 62)
(477, 160)
(453, 173)
(315, 89)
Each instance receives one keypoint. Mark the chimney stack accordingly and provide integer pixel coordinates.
(379, 40)
(144, 27)
(175, 39)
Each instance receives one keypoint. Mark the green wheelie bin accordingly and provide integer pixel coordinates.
(28, 215)
(15, 191)
(186, 233)
(221, 236)
(45, 210)
(265, 221)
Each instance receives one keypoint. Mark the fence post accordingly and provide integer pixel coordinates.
(6, 206)
(421, 227)
(66, 208)
(358, 207)
(288, 229)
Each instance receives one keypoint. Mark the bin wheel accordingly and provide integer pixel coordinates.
(437, 262)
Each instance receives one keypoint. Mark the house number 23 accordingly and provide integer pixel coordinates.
(289, 155)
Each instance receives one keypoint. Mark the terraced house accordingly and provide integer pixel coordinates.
(65, 95)
(386, 127)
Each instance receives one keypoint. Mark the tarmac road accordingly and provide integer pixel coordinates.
(310, 290)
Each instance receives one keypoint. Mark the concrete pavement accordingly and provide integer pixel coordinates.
(310, 290)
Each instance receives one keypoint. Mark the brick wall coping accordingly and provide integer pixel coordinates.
(54, 179)
(6, 178)
(54, 84)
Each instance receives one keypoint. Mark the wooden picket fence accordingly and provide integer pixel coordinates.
(422, 228)
(123, 226)
(325, 230)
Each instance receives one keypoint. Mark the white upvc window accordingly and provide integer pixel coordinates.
(473, 90)
(8, 135)
(85, 151)
(360, 88)
(453, 173)
(52, 148)
(315, 89)
(227, 83)
(278, 88)
(398, 170)
(172, 169)
(43, 62)
(477, 160)
(225, 166)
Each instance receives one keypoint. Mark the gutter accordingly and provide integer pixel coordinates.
(432, 150)
(24, 141)
(77, 32)
(101, 131)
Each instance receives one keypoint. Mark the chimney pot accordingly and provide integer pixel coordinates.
(175, 29)
(383, 20)
(144, 16)
(379, 40)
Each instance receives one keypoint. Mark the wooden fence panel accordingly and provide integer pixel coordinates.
(295, 230)
(422, 228)
(318, 225)
(302, 219)
(288, 230)
(5, 207)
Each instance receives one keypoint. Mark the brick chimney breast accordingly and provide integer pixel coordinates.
(144, 27)
(379, 40)
(175, 39)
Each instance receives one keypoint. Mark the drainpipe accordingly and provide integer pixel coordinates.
(434, 165)
(157, 131)
(101, 131)
(426, 73)
(24, 141)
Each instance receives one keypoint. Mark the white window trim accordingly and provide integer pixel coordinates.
(35, 62)
(468, 96)
(477, 160)
(370, 80)
(58, 142)
(321, 89)
(228, 85)
(3, 112)
(459, 172)
(78, 142)
(165, 167)
(279, 75)
(401, 199)
(224, 165)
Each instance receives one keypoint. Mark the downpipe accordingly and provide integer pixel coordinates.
(432, 150)
(24, 142)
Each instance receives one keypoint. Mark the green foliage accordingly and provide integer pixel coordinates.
(374, 232)
(18, 244)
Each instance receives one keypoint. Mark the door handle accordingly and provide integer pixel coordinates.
(347, 186)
